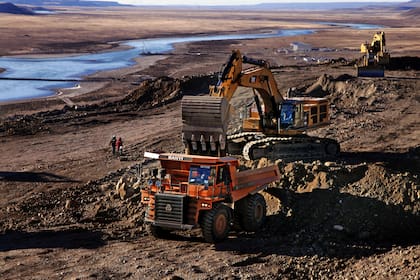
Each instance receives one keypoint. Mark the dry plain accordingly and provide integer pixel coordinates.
(61, 217)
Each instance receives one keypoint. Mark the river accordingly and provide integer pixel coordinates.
(49, 74)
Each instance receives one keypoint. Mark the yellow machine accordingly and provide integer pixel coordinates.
(275, 128)
(375, 57)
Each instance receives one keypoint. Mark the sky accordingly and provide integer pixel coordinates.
(232, 2)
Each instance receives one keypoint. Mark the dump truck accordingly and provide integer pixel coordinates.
(274, 126)
(375, 57)
(193, 191)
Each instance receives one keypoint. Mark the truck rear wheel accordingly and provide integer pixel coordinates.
(238, 213)
(216, 223)
(254, 210)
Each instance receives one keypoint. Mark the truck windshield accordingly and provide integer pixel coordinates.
(200, 175)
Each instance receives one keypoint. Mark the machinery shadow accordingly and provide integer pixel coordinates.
(329, 223)
(34, 177)
(67, 239)
(404, 63)
(408, 161)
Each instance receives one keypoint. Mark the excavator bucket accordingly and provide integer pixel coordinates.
(366, 71)
(204, 124)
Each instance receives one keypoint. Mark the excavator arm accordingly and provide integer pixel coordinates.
(205, 118)
(259, 78)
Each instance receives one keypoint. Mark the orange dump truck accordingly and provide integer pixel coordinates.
(208, 192)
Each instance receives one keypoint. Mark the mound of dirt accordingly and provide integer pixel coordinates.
(152, 93)
(369, 111)
(335, 209)
(110, 204)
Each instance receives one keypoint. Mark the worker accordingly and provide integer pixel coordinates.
(113, 143)
(119, 145)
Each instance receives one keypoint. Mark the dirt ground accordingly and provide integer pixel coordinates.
(66, 214)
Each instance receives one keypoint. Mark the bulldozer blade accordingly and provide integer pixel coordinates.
(370, 72)
(204, 124)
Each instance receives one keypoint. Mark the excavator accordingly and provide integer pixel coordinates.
(275, 127)
(375, 57)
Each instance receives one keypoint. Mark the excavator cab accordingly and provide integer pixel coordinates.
(295, 115)
(287, 115)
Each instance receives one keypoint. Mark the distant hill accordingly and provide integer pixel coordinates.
(415, 12)
(264, 6)
(412, 4)
(80, 3)
(311, 6)
(13, 9)
(320, 5)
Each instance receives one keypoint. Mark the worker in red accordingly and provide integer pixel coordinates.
(119, 145)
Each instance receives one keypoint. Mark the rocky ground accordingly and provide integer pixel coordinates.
(357, 216)
(70, 207)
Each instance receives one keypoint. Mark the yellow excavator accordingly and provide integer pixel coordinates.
(375, 57)
(275, 127)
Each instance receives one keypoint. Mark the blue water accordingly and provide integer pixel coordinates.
(77, 66)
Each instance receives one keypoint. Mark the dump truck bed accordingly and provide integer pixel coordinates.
(252, 181)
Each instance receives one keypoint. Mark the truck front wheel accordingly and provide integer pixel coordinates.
(254, 210)
(216, 223)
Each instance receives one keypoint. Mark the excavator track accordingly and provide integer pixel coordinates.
(291, 148)
(371, 71)
(236, 142)
(245, 135)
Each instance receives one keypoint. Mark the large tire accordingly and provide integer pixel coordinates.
(156, 231)
(253, 213)
(216, 223)
(238, 213)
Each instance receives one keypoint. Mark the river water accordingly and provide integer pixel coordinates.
(76, 66)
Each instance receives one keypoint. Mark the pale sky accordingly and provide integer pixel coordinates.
(233, 2)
